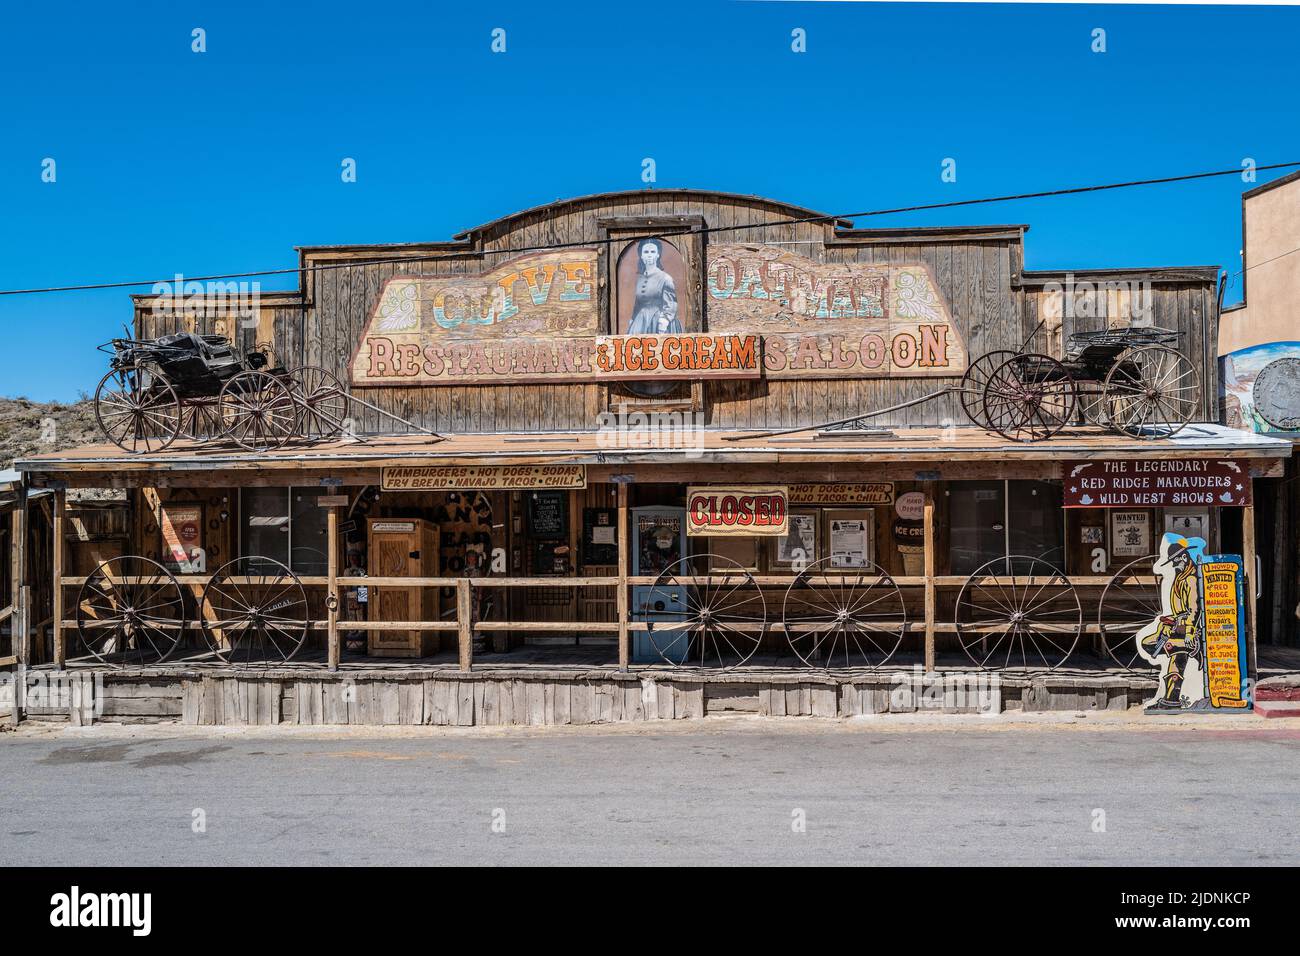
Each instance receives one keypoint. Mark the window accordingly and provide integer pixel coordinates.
(991, 519)
(287, 525)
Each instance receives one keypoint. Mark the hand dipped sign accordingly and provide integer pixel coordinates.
(736, 511)
(1156, 483)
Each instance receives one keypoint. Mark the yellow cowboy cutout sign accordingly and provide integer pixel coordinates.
(1174, 641)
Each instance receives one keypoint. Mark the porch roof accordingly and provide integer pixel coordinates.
(717, 446)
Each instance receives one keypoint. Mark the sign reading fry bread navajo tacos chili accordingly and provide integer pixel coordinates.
(743, 510)
(482, 477)
(1156, 483)
(843, 493)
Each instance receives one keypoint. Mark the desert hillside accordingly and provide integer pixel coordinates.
(33, 428)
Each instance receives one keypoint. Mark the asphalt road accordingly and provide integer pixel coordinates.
(722, 791)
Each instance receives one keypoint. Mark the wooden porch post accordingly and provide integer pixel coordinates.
(928, 541)
(624, 651)
(1248, 566)
(465, 624)
(332, 587)
(18, 599)
(60, 507)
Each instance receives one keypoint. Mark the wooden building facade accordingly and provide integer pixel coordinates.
(589, 365)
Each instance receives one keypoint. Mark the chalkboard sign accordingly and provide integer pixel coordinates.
(599, 536)
(548, 515)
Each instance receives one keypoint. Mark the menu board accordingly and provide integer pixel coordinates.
(548, 515)
(1225, 631)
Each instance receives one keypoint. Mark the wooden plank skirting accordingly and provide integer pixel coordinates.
(452, 699)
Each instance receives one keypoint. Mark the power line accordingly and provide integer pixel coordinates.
(703, 230)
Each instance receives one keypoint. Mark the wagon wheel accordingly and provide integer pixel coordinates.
(974, 380)
(1029, 397)
(1127, 607)
(255, 608)
(130, 610)
(321, 400)
(1151, 392)
(200, 419)
(137, 409)
(1018, 612)
(833, 619)
(257, 412)
(725, 615)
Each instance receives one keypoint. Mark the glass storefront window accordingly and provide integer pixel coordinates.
(1036, 521)
(287, 525)
(991, 519)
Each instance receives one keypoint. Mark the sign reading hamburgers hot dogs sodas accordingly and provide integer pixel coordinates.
(737, 510)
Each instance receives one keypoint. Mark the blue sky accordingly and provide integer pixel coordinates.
(169, 161)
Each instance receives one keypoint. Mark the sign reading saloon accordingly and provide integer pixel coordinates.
(747, 510)
(1140, 483)
(537, 318)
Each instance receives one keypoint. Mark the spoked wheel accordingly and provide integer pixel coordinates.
(137, 409)
(837, 619)
(255, 609)
(257, 412)
(1151, 392)
(1130, 603)
(130, 610)
(1029, 397)
(200, 420)
(322, 402)
(723, 615)
(973, 382)
(1018, 612)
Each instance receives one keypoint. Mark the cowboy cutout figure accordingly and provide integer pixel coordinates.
(1175, 639)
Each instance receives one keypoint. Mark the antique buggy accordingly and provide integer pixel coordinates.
(198, 387)
(1129, 379)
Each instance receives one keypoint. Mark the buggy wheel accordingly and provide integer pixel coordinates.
(1029, 397)
(973, 382)
(836, 619)
(254, 609)
(321, 401)
(200, 420)
(137, 409)
(1127, 607)
(1018, 612)
(256, 410)
(130, 610)
(1151, 392)
(724, 617)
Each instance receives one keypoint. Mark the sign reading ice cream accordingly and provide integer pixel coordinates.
(537, 318)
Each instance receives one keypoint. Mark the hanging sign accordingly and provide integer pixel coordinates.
(744, 510)
(843, 493)
(1156, 483)
(482, 477)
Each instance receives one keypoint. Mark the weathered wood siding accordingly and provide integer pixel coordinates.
(994, 306)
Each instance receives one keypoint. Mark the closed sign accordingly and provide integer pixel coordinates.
(737, 511)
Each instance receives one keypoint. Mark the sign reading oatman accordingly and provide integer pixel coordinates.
(536, 318)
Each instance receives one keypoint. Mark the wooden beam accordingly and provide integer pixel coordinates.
(59, 546)
(1248, 567)
(929, 564)
(465, 624)
(624, 642)
(332, 587)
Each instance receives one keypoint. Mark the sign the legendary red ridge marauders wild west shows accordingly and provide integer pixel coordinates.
(536, 318)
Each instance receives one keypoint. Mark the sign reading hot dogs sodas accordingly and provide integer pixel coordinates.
(736, 510)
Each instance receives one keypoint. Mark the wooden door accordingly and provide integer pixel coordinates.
(394, 553)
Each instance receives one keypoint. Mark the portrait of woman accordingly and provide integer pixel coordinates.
(652, 295)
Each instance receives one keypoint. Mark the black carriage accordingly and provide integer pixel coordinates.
(1130, 379)
(198, 387)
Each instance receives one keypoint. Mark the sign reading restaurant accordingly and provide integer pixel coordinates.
(482, 477)
(1161, 483)
(537, 318)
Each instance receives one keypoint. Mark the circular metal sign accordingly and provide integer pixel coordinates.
(1276, 394)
